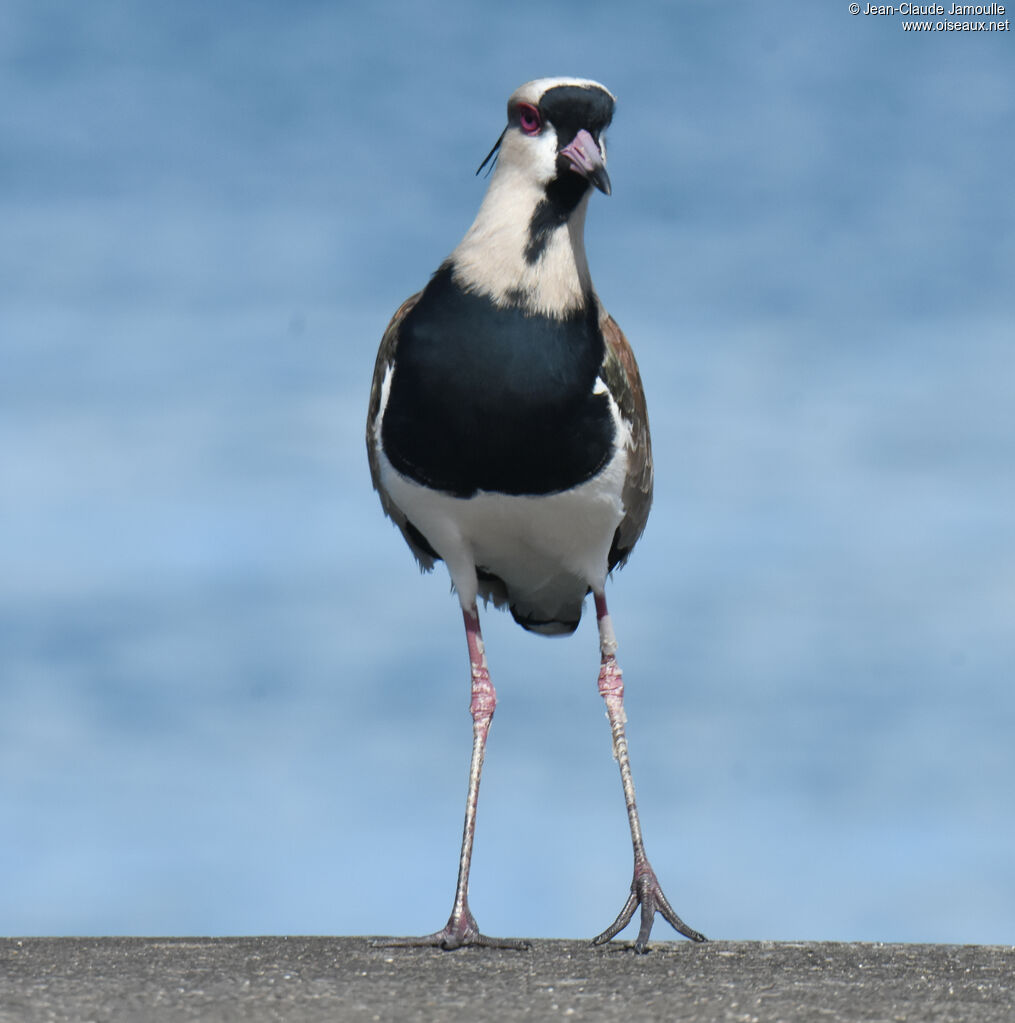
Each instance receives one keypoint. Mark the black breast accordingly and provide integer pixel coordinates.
(492, 398)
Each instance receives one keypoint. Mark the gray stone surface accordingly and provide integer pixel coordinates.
(108, 980)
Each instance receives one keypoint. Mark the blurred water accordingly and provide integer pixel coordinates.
(228, 702)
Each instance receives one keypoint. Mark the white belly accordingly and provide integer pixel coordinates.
(548, 549)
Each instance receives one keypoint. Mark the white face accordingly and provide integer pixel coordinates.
(530, 146)
(533, 157)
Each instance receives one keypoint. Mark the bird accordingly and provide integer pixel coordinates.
(507, 434)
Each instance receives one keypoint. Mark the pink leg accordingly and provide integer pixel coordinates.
(645, 889)
(461, 928)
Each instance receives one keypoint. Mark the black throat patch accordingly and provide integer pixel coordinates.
(569, 108)
(563, 194)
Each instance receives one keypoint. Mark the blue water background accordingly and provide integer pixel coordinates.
(228, 701)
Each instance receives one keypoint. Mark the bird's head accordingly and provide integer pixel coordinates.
(525, 248)
(554, 137)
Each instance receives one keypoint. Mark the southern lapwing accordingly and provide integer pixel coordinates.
(508, 436)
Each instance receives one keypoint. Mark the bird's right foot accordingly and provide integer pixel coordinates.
(459, 931)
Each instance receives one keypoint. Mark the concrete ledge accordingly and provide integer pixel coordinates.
(337, 979)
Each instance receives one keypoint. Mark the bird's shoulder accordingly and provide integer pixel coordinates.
(386, 354)
(620, 368)
(622, 378)
(385, 358)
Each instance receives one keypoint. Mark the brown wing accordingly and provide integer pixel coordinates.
(620, 373)
(425, 554)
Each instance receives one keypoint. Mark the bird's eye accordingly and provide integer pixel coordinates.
(529, 119)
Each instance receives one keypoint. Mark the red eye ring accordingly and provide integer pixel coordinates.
(528, 119)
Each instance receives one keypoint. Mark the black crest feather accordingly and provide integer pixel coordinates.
(493, 152)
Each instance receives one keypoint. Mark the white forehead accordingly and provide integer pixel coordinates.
(532, 92)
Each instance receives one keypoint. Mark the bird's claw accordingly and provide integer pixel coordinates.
(646, 892)
(460, 930)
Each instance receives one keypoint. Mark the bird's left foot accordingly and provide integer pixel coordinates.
(646, 892)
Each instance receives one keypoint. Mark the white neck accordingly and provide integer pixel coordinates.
(490, 259)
